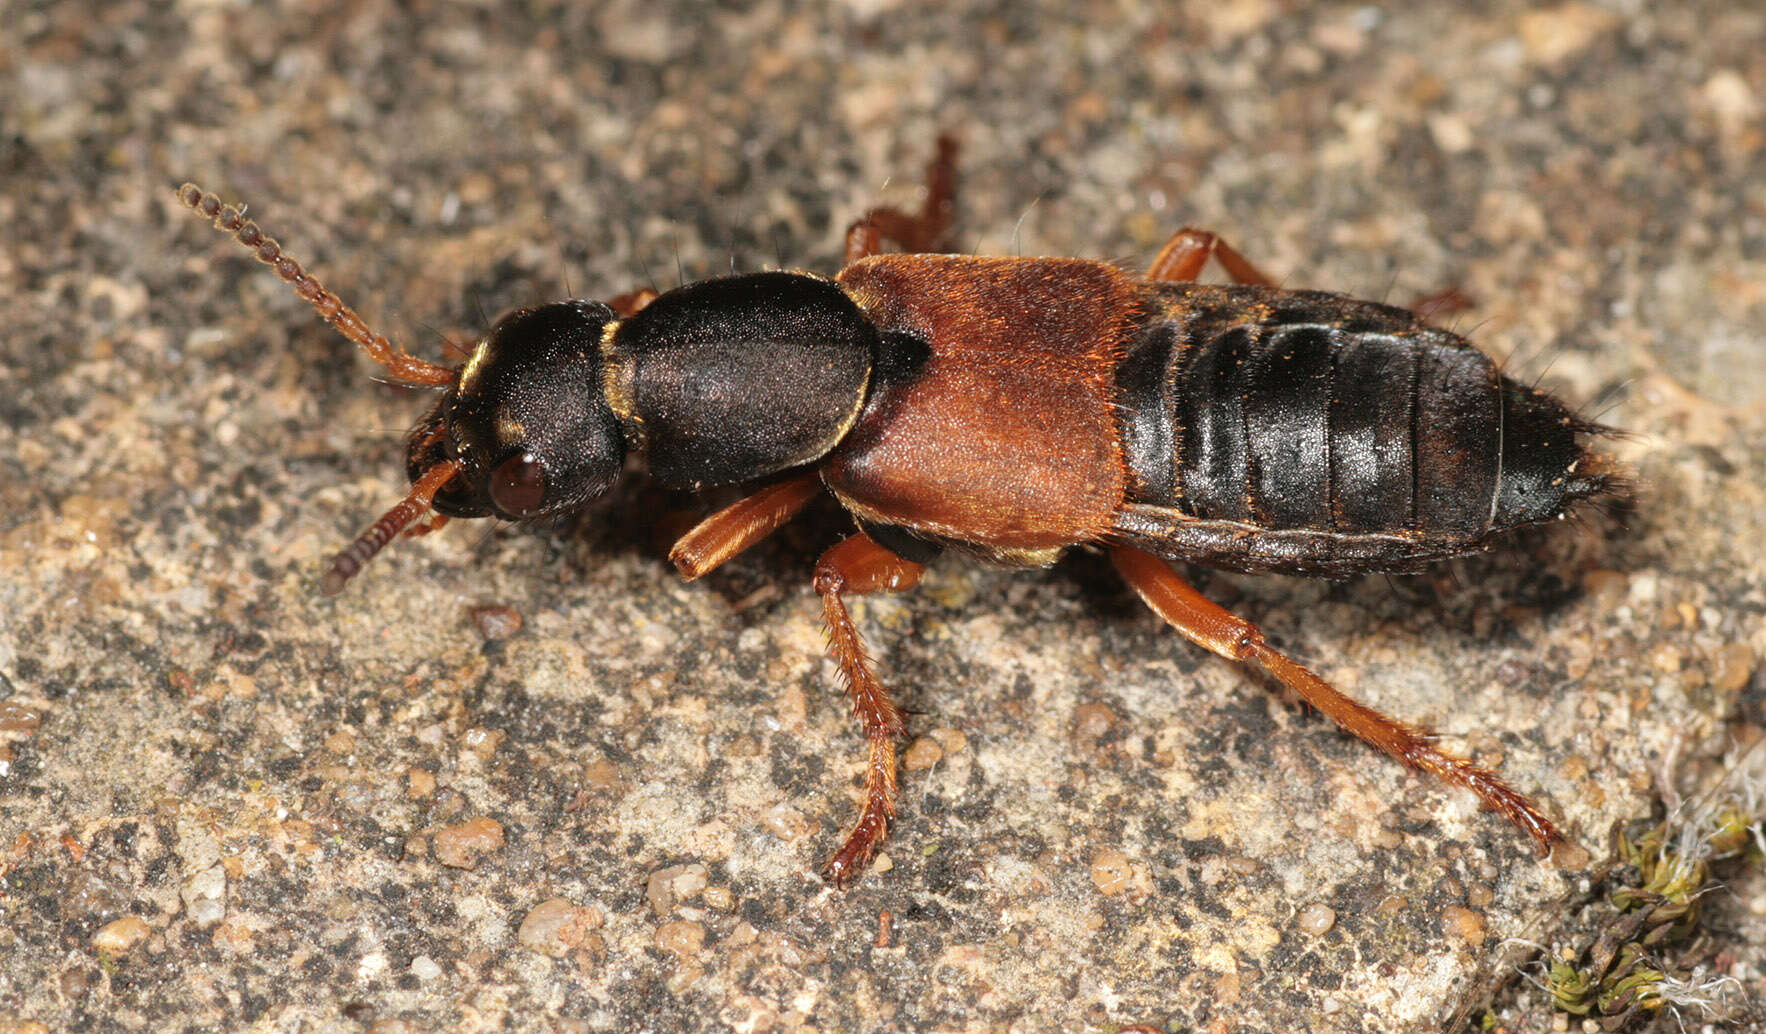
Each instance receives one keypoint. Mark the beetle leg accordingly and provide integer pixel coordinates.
(859, 565)
(741, 524)
(1212, 627)
(1184, 255)
(1449, 302)
(914, 233)
(629, 303)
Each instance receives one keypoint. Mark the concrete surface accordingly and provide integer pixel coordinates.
(229, 803)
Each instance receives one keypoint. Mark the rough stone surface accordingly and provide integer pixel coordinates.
(1115, 828)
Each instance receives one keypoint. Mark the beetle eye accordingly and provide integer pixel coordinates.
(518, 485)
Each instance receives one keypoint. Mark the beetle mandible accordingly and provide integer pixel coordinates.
(1008, 408)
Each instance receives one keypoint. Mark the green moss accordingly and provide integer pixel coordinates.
(1647, 951)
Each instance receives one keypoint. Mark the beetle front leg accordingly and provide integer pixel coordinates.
(915, 233)
(1188, 250)
(731, 530)
(859, 565)
(1212, 627)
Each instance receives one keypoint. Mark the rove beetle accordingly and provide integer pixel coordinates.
(1008, 408)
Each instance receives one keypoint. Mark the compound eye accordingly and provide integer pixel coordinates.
(518, 485)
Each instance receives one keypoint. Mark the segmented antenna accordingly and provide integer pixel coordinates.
(400, 366)
(355, 556)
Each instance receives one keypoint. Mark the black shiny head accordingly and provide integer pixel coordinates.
(527, 421)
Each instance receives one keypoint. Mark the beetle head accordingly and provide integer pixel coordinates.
(523, 432)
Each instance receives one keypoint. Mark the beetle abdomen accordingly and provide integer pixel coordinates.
(1332, 419)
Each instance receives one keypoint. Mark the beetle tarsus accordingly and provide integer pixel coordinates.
(858, 565)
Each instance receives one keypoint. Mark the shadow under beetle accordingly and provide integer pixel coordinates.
(1009, 408)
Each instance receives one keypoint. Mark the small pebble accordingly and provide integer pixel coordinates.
(556, 927)
(205, 895)
(922, 754)
(1316, 920)
(1735, 664)
(16, 717)
(1091, 722)
(419, 783)
(462, 846)
(681, 938)
(119, 935)
(1112, 872)
(495, 622)
(1553, 33)
(668, 887)
(482, 743)
(1468, 924)
(784, 822)
(233, 937)
(601, 775)
(952, 741)
(1566, 855)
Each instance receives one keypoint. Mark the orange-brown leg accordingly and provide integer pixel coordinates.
(859, 565)
(629, 303)
(1211, 626)
(741, 524)
(1189, 249)
(1187, 253)
(914, 233)
(1442, 303)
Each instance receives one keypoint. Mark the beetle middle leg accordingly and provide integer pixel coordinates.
(1212, 627)
(859, 565)
(923, 232)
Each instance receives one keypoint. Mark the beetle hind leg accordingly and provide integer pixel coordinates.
(1188, 251)
(859, 565)
(632, 302)
(1211, 626)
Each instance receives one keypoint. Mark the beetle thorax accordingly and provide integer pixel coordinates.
(734, 379)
